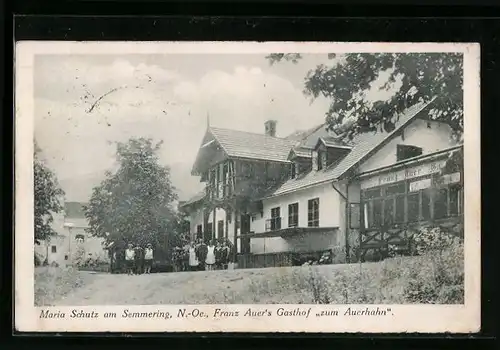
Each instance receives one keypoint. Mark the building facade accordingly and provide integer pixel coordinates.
(332, 194)
(71, 243)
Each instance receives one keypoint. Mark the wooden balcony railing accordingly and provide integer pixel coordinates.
(219, 191)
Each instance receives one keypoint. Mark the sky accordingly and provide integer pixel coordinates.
(164, 97)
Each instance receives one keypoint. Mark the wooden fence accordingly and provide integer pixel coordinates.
(254, 261)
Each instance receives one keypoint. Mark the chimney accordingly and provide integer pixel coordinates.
(270, 126)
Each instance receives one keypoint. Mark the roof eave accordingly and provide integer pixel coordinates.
(298, 189)
(385, 140)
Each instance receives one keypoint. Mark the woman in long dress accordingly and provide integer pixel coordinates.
(210, 260)
(193, 260)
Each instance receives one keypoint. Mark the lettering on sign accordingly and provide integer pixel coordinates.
(420, 185)
(450, 178)
(400, 175)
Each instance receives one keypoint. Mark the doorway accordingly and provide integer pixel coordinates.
(245, 229)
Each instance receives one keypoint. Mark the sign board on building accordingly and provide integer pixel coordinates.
(404, 174)
(420, 185)
(450, 178)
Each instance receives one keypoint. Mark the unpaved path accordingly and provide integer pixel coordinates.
(286, 285)
(171, 288)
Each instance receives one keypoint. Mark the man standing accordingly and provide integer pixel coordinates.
(201, 254)
(129, 259)
(139, 260)
(148, 258)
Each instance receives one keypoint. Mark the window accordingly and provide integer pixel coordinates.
(80, 238)
(220, 229)
(399, 209)
(413, 207)
(53, 249)
(313, 212)
(426, 204)
(208, 231)
(199, 231)
(369, 194)
(455, 195)
(395, 189)
(275, 219)
(354, 215)
(321, 160)
(406, 151)
(66, 257)
(293, 170)
(389, 212)
(293, 215)
(404, 202)
(441, 204)
(376, 213)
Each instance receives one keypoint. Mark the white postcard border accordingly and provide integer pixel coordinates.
(401, 318)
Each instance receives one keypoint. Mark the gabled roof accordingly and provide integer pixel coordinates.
(363, 146)
(330, 141)
(310, 137)
(194, 199)
(301, 135)
(242, 144)
(300, 152)
(74, 210)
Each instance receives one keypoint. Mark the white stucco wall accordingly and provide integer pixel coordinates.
(330, 215)
(196, 218)
(66, 243)
(329, 203)
(432, 139)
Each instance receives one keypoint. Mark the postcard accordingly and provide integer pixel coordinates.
(247, 187)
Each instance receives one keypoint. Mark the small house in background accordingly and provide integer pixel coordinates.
(313, 191)
(72, 243)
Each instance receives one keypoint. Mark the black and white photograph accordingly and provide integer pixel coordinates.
(306, 182)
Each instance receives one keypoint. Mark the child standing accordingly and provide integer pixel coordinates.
(201, 254)
(210, 260)
(193, 260)
(129, 259)
(148, 258)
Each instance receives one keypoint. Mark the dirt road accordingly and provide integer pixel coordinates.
(171, 288)
(379, 283)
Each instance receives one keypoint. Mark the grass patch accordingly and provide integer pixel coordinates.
(427, 279)
(53, 283)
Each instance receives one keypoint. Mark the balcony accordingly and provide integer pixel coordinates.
(219, 191)
(273, 224)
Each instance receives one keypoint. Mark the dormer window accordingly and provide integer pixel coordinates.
(406, 151)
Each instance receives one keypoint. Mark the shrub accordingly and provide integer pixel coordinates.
(38, 260)
(79, 256)
(441, 278)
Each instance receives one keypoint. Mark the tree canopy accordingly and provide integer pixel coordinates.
(134, 204)
(48, 196)
(412, 77)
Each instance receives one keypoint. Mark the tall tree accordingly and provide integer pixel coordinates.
(48, 196)
(413, 77)
(136, 202)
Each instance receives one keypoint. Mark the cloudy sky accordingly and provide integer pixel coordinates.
(166, 97)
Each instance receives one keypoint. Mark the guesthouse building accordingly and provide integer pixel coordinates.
(279, 198)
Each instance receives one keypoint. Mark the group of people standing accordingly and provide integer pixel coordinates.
(138, 260)
(201, 256)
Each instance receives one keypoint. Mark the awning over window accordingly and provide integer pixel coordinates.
(289, 231)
